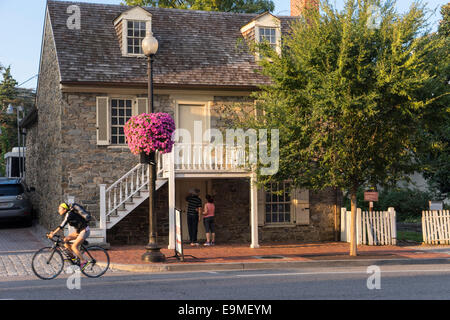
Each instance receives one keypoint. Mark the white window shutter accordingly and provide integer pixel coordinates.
(141, 106)
(103, 121)
(261, 207)
(300, 206)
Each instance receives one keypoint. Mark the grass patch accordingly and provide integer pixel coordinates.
(410, 235)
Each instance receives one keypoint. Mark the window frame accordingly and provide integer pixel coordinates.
(263, 36)
(133, 37)
(118, 126)
(271, 203)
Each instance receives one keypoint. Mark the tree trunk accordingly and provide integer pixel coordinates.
(353, 243)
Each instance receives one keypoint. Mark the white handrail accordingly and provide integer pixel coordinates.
(125, 188)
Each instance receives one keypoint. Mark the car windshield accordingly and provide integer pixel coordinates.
(10, 189)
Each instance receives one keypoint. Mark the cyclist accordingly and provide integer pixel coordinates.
(81, 226)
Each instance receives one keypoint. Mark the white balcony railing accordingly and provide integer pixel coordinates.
(204, 157)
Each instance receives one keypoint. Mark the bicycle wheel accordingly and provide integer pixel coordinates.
(47, 263)
(98, 261)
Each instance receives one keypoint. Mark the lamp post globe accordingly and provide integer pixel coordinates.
(150, 45)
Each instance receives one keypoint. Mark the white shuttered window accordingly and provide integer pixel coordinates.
(278, 206)
(112, 114)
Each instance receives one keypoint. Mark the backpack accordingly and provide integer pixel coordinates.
(86, 215)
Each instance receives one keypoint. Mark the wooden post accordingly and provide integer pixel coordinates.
(391, 210)
(358, 226)
(344, 224)
(353, 240)
(254, 211)
(171, 185)
(103, 210)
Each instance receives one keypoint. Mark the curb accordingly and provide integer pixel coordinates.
(242, 266)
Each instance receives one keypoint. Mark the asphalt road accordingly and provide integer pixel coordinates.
(395, 282)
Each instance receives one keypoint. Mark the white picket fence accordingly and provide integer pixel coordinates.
(436, 227)
(372, 228)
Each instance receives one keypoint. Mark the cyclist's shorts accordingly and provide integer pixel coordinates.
(84, 234)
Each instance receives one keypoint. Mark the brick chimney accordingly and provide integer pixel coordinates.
(298, 6)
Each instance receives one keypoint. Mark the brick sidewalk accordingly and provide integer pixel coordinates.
(131, 255)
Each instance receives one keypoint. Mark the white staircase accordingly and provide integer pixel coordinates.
(121, 198)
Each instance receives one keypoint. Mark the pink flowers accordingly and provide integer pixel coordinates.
(149, 132)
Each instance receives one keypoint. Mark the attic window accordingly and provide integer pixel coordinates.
(269, 35)
(135, 35)
(131, 27)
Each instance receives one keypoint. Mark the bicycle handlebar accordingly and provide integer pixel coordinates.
(55, 238)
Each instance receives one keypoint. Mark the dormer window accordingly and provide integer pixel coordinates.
(269, 35)
(131, 28)
(135, 35)
(265, 27)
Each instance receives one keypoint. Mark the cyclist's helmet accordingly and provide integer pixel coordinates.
(65, 206)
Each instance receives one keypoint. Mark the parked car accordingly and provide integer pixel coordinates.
(14, 203)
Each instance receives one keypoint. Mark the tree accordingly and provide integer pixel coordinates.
(436, 159)
(444, 25)
(243, 6)
(345, 97)
(8, 94)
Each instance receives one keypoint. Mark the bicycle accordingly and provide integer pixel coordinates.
(48, 262)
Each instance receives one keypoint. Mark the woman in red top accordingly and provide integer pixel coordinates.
(208, 221)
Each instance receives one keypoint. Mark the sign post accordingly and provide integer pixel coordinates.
(179, 254)
(178, 236)
(371, 196)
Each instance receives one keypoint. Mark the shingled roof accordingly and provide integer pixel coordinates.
(196, 48)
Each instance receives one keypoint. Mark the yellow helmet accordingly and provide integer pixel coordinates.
(64, 205)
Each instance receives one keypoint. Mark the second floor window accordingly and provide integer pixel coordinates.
(269, 35)
(121, 112)
(135, 35)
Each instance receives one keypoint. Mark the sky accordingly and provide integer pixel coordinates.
(21, 27)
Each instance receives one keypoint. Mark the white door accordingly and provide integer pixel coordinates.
(194, 119)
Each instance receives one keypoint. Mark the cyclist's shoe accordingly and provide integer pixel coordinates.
(76, 261)
(84, 265)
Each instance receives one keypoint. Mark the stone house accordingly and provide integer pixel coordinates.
(92, 79)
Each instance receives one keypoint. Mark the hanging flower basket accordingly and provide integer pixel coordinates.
(149, 132)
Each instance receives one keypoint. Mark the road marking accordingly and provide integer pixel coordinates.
(331, 272)
(98, 282)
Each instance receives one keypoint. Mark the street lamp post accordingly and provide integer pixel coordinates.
(153, 253)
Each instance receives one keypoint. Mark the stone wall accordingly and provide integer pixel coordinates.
(320, 228)
(232, 217)
(85, 164)
(44, 169)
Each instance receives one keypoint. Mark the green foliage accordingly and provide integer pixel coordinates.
(8, 91)
(8, 125)
(344, 95)
(408, 203)
(444, 26)
(410, 236)
(435, 156)
(243, 6)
